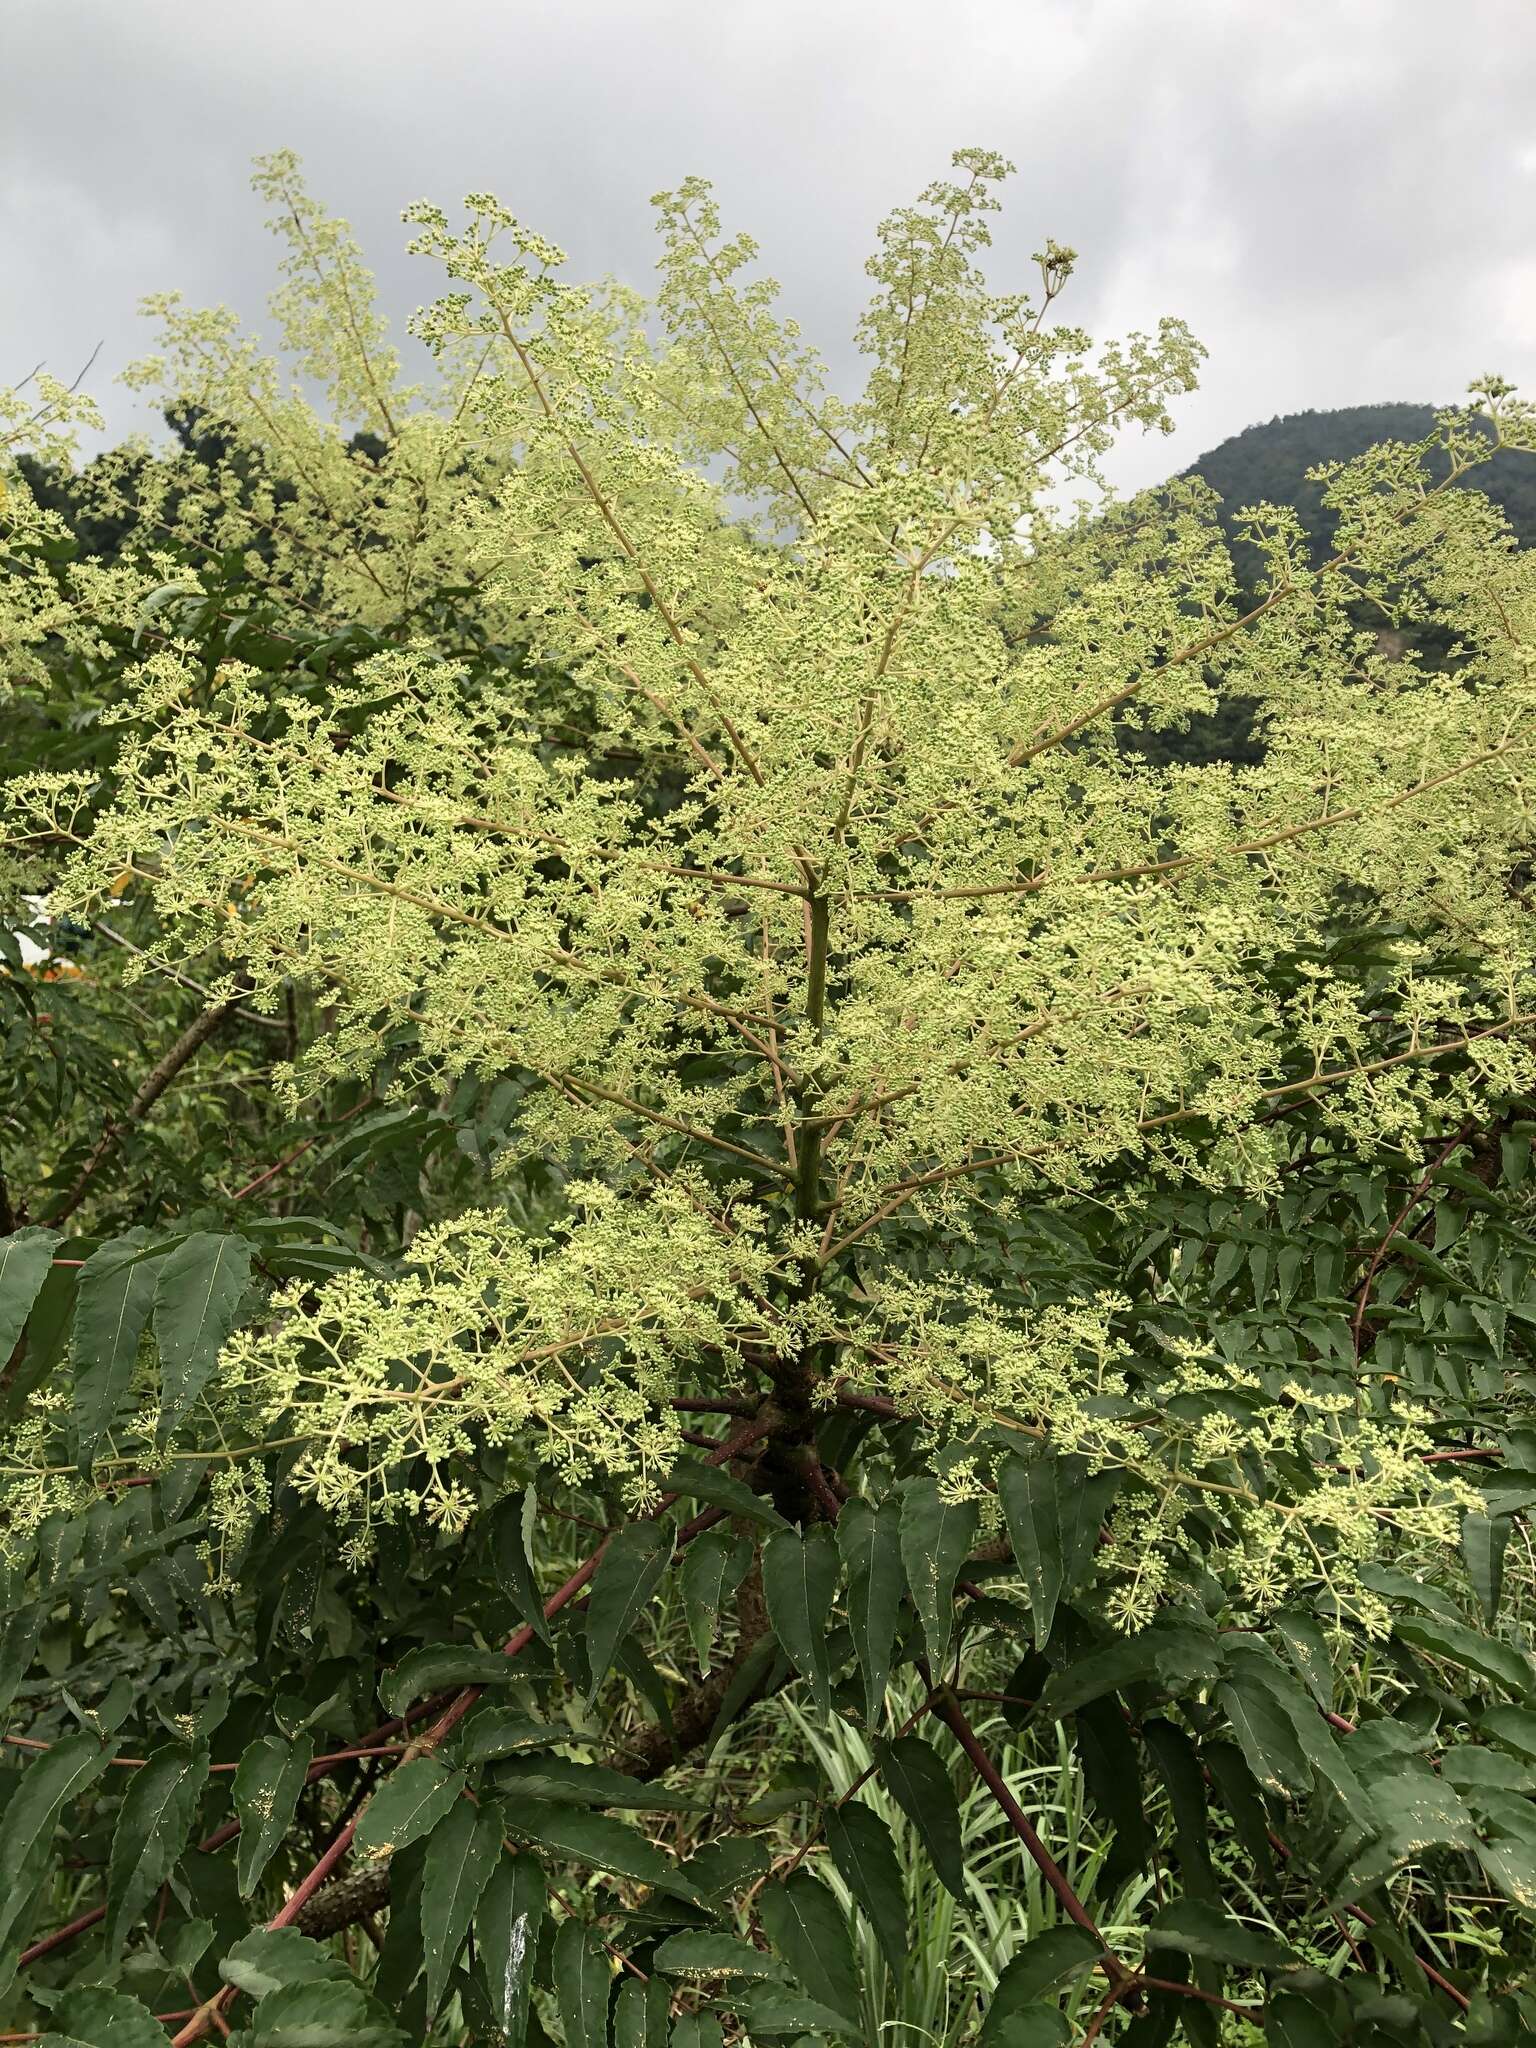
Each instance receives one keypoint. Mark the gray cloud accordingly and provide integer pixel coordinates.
(1339, 198)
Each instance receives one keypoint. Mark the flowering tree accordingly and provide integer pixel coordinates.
(731, 794)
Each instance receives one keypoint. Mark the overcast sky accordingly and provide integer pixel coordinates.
(1339, 196)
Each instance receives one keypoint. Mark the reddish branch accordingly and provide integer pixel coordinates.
(448, 1719)
(154, 1085)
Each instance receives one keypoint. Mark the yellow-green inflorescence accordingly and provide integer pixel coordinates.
(823, 893)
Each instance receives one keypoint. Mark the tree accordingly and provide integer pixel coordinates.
(880, 1057)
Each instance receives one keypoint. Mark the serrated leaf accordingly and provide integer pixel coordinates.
(1037, 1967)
(799, 1581)
(434, 1667)
(564, 1782)
(512, 1527)
(1054, 1509)
(913, 1772)
(1239, 1793)
(507, 1922)
(697, 2030)
(154, 1825)
(59, 1775)
(322, 2015)
(1179, 1767)
(582, 1984)
(1196, 1928)
(1484, 1540)
(778, 2013)
(714, 1565)
(409, 1804)
(91, 2016)
(1513, 1727)
(806, 1925)
(268, 1780)
(197, 1297)
(937, 1536)
(462, 1851)
(870, 1541)
(695, 1481)
(117, 1288)
(596, 1839)
(865, 1855)
(1031, 2026)
(1307, 1648)
(26, 1257)
(269, 1957)
(1267, 1738)
(699, 1953)
(496, 1732)
(1112, 1778)
(1173, 1655)
(1485, 1655)
(642, 2014)
(628, 1575)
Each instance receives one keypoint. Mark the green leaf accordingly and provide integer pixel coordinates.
(714, 1565)
(1514, 1727)
(913, 1772)
(870, 1541)
(937, 1536)
(268, 1780)
(642, 2014)
(864, 1853)
(462, 1851)
(1484, 1540)
(1267, 1737)
(564, 1782)
(1029, 2026)
(90, 2016)
(628, 1575)
(1307, 1648)
(1112, 1776)
(26, 1257)
(1054, 1509)
(507, 1922)
(154, 1825)
(777, 2013)
(697, 2030)
(1239, 1793)
(409, 1804)
(696, 1481)
(196, 1300)
(435, 1667)
(59, 1775)
(512, 1527)
(269, 1957)
(750, 1675)
(806, 1925)
(596, 1839)
(1174, 1754)
(582, 1983)
(799, 1581)
(496, 1732)
(1172, 1655)
(328, 2014)
(1490, 1658)
(1196, 1928)
(117, 1287)
(699, 1953)
(1039, 1966)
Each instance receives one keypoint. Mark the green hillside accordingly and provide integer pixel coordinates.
(1270, 462)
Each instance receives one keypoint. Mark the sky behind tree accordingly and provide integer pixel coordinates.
(1339, 196)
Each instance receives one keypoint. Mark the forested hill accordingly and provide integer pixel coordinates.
(1270, 461)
